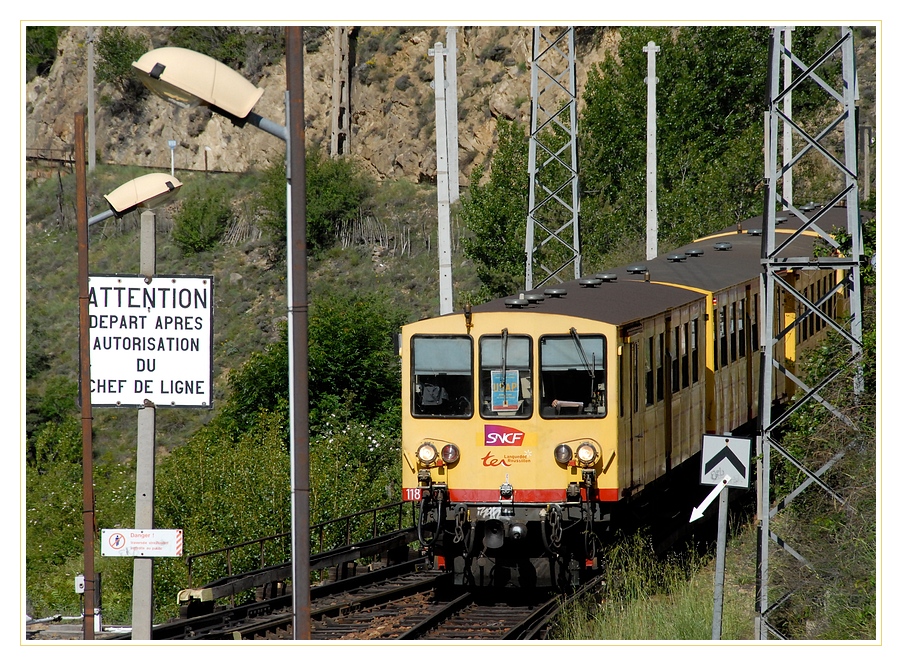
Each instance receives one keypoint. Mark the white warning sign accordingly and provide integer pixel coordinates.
(151, 340)
(724, 456)
(141, 543)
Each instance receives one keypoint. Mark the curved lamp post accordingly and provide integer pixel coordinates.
(148, 191)
(188, 79)
(144, 192)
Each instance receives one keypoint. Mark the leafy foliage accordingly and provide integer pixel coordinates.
(351, 362)
(116, 52)
(337, 191)
(202, 220)
(352, 355)
(247, 49)
(710, 100)
(494, 212)
(40, 49)
(838, 539)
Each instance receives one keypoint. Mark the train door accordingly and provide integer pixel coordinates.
(629, 476)
(631, 429)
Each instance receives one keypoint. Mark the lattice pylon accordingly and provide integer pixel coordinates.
(552, 223)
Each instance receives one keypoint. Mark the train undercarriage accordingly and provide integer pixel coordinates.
(513, 545)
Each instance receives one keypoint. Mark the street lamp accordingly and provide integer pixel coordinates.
(148, 191)
(144, 192)
(189, 79)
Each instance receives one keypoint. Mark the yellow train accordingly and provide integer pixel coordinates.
(531, 422)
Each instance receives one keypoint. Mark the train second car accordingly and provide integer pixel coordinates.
(530, 422)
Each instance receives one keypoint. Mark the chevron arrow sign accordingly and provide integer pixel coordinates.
(726, 456)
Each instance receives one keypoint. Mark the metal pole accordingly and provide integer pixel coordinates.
(719, 565)
(297, 334)
(451, 118)
(92, 158)
(84, 349)
(142, 587)
(787, 109)
(651, 158)
(446, 300)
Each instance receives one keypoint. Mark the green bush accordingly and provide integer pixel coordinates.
(201, 221)
(337, 191)
(116, 51)
(247, 49)
(351, 361)
(494, 213)
(40, 49)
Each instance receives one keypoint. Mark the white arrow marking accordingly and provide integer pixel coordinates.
(699, 511)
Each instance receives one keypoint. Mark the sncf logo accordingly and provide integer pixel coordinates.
(496, 435)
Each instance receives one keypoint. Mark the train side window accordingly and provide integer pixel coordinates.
(723, 337)
(695, 350)
(675, 359)
(733, 342)
(649, 372)
(684, 355)
(834, 312)
(634, 349)
(819, 322)
(805, 322)
(572, 375)
(659, 379)
(442, 376)
(740, 324)
(505, 376)
(820, 294)
(756, 342)
(622, 384)
(715, 337)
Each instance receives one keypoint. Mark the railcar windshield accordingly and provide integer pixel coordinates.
(505, 376)
(442, 376)
(572, 370)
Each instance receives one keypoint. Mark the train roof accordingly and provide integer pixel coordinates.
(711, 264)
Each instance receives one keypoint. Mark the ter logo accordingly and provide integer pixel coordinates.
(496, 435)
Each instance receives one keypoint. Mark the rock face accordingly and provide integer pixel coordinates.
(392, 102)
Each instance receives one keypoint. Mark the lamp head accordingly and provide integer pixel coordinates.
(146, 191)
(187, 79)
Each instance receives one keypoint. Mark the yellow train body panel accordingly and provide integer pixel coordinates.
(503, 449)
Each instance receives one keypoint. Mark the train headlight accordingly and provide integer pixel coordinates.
(563, 454)
(586, 454)
(427, 454)
(450, 454)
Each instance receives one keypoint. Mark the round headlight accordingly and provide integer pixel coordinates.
(586, 454)
(563, 454)
(427, 453)
(450, 454)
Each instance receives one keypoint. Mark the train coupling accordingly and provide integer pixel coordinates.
(573, 492)
(506, 498)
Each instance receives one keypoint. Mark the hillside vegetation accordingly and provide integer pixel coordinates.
(222, 474)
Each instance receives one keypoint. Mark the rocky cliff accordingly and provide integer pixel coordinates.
(392, 102)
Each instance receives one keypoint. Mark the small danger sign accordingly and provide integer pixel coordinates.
(141, 543)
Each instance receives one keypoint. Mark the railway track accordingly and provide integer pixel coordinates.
(402, 602)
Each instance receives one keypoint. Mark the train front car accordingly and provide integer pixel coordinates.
(506, 443)
(516, 442)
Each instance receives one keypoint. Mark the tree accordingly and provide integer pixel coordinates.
(40, 49)
(337, 191)
(116, 51)
(494, 214)
(351, 361)
(710, 104)
(202, 220)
